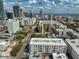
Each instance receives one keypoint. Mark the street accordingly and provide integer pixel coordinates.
(25, 42)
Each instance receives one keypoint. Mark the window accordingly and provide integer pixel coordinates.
(73, 42)
(47, 49)
(40, 48)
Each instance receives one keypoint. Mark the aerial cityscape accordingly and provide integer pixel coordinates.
(39, 29)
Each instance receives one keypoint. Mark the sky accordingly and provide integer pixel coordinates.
(57, 6)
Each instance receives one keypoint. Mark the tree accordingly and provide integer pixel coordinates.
(20, 36)
(16, 49)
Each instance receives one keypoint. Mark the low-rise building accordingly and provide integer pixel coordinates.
(28, 21)
(46, 22)
(76, 34)
(6, 43)
(3, 45)
(61, 32)
(59, 56)
(73, 48)
(47, 45)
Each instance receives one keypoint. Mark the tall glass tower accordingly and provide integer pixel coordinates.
(1, 10)
(16, 10)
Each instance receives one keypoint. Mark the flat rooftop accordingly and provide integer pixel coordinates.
(59, 30)
(7, 37)
(74, 43)
(47, 41)
(2, 42)
(12, 20)
(59, 56)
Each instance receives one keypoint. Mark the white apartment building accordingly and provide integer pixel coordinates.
(51, 22)
(61, 26)
(47, 45)
(28, 21)
(13, 26)
(63, 32)
(73, 48)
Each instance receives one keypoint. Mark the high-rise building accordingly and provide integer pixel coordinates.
(5, 15)
(42, 13)
(9, 15)
(21, 13)
(16, 10)
(31, 13)
(1, 10)
(13, 26)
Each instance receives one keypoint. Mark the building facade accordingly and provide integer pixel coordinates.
(73, 48)
(13, 26)
(21, 13)
(16, 10)
(28, 21)
(9, 15)
(47, 45)
(1, 10)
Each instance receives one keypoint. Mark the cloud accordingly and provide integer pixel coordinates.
(9, 5)
(25, 4)
(32, 1)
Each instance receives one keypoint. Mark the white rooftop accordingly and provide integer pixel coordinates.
(47, 21)
(74, 43)
(12, 20)
(59, 30)
(28, 18)
(68, 30)
(47, 41)
(62, 26)
(3, 43)
(59, 56)
(76, 34)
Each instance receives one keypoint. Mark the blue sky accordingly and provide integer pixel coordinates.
(59, 6)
